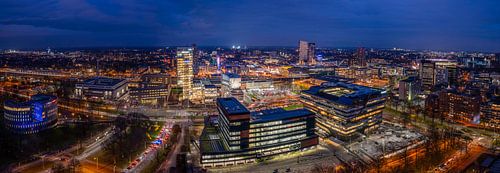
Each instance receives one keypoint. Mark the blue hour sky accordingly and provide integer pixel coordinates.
(414, 24)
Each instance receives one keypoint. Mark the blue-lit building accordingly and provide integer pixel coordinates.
(37, 114)
(238, 136)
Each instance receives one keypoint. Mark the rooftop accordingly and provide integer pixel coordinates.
(343, 93)
(40, 98)
(103, 81)
(410, 79)
(232, 106)
(278, 114)
(232, 75)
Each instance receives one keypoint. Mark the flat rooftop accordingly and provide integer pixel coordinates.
(103, 81)
(278, 114)
(232, 106)
(410, 79)
(232, 75)
(40, 98)
(343, 93)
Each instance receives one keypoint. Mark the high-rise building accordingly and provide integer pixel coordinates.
(307, 53)
(437, 71)
(361, 57)
(344, 109)
(185, 71)
(409, 88)
(237, 136)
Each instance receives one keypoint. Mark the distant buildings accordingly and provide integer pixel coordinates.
(409, 88)
(231, 80)
(238, 136)
(102, 88)
(185, 71)
(437, 71)
(30, 117)
(359, 58)
(307, 53)
(344, 109)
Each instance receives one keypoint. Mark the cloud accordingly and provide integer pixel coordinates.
(454, 24)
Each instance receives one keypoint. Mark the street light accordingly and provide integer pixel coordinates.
(97, 165)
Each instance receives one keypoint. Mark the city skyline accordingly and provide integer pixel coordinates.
(448, 25)
(198, 86)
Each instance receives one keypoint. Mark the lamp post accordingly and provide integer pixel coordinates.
(97, 165)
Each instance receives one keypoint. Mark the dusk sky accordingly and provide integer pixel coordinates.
(414, 24)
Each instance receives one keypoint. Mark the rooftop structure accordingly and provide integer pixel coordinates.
(344, 109)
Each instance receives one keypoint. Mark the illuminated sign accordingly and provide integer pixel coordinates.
(37, 111)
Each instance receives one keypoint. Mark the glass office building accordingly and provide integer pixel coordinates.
(238, 136)
(344, 109)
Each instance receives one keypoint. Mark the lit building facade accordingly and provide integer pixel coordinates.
(152, 95)
(185, 71)
(33, 116)
(344, 109)
(492, 118)
(409, 88)
(307, 53)
(437, 71)
(238, 136)
(231, 80)
(102, 88)
(460, 105)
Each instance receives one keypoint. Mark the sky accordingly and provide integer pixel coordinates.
(470, 25)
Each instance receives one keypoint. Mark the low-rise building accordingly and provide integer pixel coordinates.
(33, 116)
(102, 88)
(153, 95)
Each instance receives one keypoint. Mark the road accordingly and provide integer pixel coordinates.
(93, 146)
(149, 154)
(172, 156)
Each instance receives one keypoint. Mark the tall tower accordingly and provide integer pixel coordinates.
(307, 53)
(185, 70)
(361, 57)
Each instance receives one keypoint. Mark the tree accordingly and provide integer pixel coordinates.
(59, 168)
